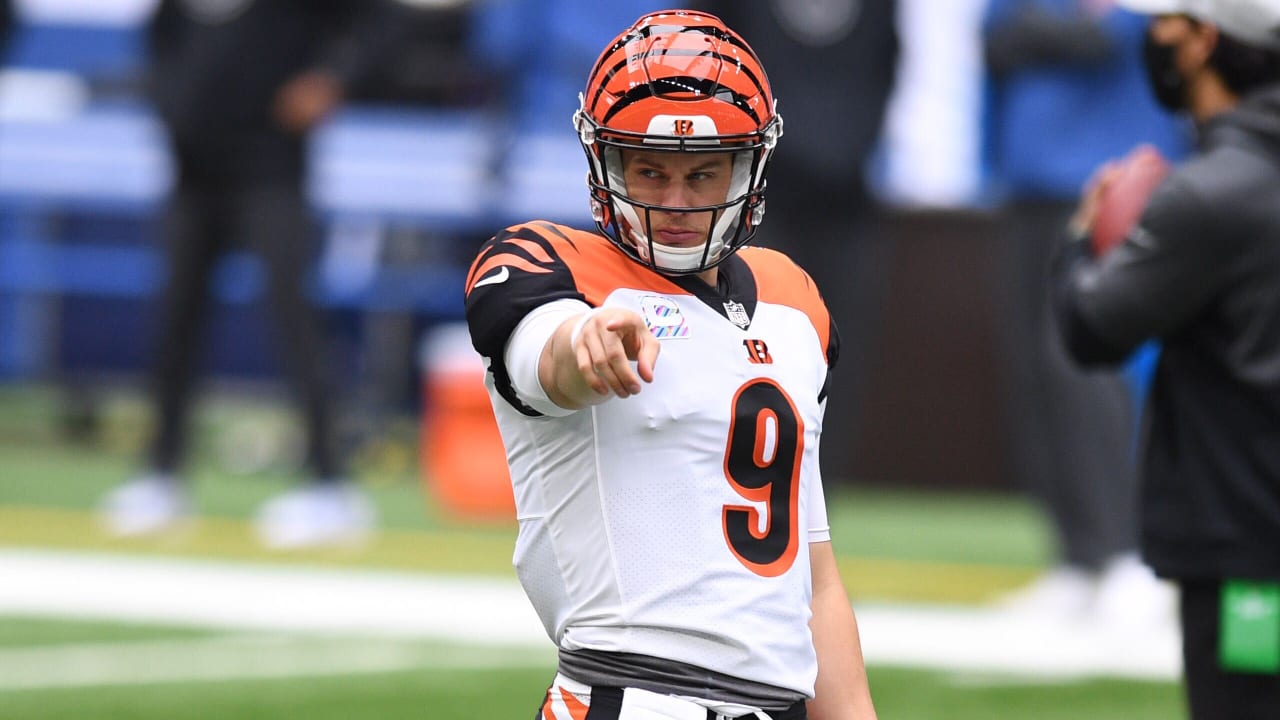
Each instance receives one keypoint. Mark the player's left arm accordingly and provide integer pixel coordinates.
(842, 692)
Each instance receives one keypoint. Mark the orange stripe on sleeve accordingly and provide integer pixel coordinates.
(533, 249)
(507, 259)
(471, 272)
(598, 268)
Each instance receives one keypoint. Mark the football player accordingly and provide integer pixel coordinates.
(660, 389)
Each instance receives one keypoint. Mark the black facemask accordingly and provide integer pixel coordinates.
(1167, 84)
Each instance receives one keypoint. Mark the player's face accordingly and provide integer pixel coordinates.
(679, 180)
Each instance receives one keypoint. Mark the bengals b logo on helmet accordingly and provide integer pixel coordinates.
(682, 128)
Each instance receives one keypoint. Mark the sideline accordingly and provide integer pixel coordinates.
(494, 613)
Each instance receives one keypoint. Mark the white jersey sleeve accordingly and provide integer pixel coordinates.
(524, 351)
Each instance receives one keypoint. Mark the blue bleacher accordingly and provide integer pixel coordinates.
(90, 50)
(426, 169)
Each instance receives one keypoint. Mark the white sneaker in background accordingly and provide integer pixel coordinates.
(323, 514)
(144, 506)
(1131, 596)
(1063, 593)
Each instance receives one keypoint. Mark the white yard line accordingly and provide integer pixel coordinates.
(236, 658)
(990, 642)
(495, 613)
(262, 597)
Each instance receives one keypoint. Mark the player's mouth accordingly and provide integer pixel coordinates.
(676, 237)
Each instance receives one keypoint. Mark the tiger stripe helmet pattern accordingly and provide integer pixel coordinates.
(678, 81)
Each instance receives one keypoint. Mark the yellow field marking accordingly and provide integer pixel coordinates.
(461, 551)
(928, 582)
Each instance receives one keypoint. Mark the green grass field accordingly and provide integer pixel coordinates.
(468, 690)
(893, 546)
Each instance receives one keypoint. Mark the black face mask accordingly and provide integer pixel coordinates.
(1167, 84)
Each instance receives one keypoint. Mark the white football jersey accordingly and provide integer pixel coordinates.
(674, 523)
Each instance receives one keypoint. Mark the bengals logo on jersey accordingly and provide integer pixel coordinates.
(758, 352)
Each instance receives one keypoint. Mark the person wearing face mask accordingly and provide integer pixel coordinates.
(1067, 92)
(1201, 273)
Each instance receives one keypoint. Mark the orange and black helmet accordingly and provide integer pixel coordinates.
(678, 81)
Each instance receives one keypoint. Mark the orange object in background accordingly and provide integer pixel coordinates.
(463, 462)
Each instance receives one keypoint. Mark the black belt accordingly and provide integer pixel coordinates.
(606, 704)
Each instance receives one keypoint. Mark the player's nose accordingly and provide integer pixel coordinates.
(677, 195)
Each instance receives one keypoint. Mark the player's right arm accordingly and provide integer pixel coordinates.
(550, 350)
(588, 358)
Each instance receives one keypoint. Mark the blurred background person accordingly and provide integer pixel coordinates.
(1067, 91)
(541, 80)
(238, 85)
(929, 156)
(834, 63)
(538, 51)
(6, 24)
(1201, 272)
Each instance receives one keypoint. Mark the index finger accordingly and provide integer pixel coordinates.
(639, 343)
(647, 357)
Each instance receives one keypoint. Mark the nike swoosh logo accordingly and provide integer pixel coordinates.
(494, 279)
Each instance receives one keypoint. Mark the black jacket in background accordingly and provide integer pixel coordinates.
(1202, 274)
(6, 25)
(214, 73)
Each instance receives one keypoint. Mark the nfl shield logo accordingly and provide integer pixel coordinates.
(737, 314)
